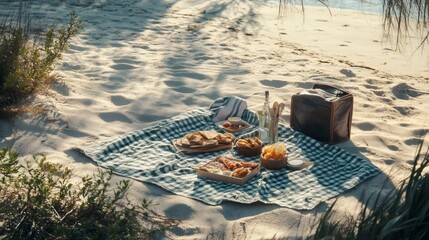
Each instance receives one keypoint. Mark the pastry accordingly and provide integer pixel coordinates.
(243, 143)
(184, 142)
(240, 172)
(204, 168)
(196, 139)
(249, 142)
(225, 138)
(249, 165)
(205, 138)
(210, 142)
(209, 135)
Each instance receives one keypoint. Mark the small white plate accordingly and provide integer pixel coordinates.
(296, 164)
(233, 130)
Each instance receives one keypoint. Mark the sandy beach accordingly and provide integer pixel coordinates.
(137, 62)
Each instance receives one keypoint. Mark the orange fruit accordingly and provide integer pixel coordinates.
(227, 124)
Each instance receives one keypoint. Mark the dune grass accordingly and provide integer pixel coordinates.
(399, 17)
(27, 55)
(402, 214)
(45, 201)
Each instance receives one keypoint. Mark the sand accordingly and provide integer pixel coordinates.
(137, 62)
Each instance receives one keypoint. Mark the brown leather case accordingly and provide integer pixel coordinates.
(323, 113)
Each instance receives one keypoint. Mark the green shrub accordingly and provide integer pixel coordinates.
(40, 201)
(25, 63)
(403, 214)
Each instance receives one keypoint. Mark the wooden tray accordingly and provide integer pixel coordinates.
(200, 149)
(228, 179)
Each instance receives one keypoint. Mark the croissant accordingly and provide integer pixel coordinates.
(240, 172)
(249, 165)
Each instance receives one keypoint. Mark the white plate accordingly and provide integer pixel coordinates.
(297, 164)
(233, 130)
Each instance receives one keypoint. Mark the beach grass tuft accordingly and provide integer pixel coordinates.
(43, 201)
(399, 17)
(402, 214)
(27, 55)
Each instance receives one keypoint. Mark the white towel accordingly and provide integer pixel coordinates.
(232, 107)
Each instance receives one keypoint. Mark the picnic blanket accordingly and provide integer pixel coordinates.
(148, 155)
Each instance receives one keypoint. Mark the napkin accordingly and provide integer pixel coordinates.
(229, 107)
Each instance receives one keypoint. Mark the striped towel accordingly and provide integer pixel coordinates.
(226, 107)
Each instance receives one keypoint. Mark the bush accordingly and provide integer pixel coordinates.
(41, 202)
(403, 214)
(26, 64)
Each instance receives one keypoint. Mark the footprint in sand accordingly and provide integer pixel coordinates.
(366, 126)
(184, 90)
(370, 86)
(273, 83)
(393, 147)
(173, 83)
(347, 73)
(179, 86)
(119, 100)
(116, 79)
(122, 66)
(179, 211)
(404, 91)
(406, 111)
(371, 81)
(62, 89)
(379, 93)
(389, 162)
(127, 61)
(194, 75)
(412, 141)
(267, 71)
(386, 100)
(112, 87)
(125, 64)
(114, 117)
(179, 67)
(114, 83)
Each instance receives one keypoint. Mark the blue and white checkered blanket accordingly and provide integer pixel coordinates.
(148, 155)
